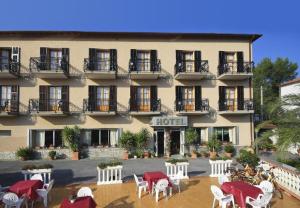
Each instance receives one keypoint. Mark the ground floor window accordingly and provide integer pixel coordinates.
(223, 134)
(46, 138)
(100, 137)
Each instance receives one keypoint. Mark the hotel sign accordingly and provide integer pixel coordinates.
(169, 121)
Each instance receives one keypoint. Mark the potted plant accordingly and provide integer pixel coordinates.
(52, 155)
(71, 137)
(190, 138)
(127, 141)
(229, 150)
(248, 158)
(194, 154)
(142, 138)
(214, 146)
(25, 153)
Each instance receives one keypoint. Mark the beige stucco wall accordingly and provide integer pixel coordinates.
(79, 88)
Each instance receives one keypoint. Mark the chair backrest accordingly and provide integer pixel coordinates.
(136, 179)
(50, 185)
(266, 186)
(217, 192)
(84, 191)
(222, 179)
(10, 199)
(37, 177)
(162, 184)
(265, 199)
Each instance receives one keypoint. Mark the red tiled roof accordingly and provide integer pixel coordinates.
(294, 81)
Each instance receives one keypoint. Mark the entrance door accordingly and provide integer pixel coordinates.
(175, 142)
(160, 143)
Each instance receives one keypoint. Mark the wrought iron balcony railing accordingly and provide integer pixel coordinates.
(9, 106)
(102, 65)
(235, 105)
(8, 65)
(190, 105)
(236, 67)
(57, 64)
(51, 105)
(99, 105)
(144, 65)
(191, 66)
(144, 105)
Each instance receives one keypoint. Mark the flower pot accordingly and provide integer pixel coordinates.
(212, 154)
(75, 155)
(194, 155)
(146, 155)
(125, 155)
(228, 154)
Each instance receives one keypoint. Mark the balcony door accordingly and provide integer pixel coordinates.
(55, 101)
(189, 61)
(6, 95)
(143, 61)
(187, 98)
(4, 59)
(55, 58)
(102, 98)
(230, 98)
(143, 98)
(102, 60)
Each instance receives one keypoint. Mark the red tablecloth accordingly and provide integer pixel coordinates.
(81, 202)
(240, 190)
(153, 177)
(26, 187)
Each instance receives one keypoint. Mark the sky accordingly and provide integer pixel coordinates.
(277, 20)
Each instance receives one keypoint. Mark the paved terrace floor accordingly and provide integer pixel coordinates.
(67, 172)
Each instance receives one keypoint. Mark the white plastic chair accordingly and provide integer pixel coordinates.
(223, 199)
(140, 185)
(175, 180)
(262, 201)
(85, 191)
(161, 186)
(12, 200)
(266, 187)
(37, 177)
(222, 179)
(2, 189)
(44, 192)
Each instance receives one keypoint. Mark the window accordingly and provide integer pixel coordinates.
(222, 134)
(4, 59)
(143, 98)
(230, 58)
(187, 98)
(55, 59)
(5, 97)
(102, 97)
(189, 64)
(47, 138)
(100, 137)
(143, 61)
(102, 60)
(5, 133)
(55, 98)
(230, 98)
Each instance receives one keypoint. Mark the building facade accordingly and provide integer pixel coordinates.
(107, 83)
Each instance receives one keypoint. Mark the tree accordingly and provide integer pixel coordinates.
(270, 75)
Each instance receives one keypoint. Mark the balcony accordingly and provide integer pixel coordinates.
(192, 70)
(9, 107)
(9, 69)
(51, 107)
(144, 107)
(233, 107)
(235, 71)
(144, 69)
(99, 107)
(189, 107)
(49, 68)
(100, 69)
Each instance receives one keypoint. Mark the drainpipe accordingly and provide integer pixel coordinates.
(250, 94)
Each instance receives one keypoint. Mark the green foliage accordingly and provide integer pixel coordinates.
(191, 136)
(127, 140)
(141, 138)
(174, 161)
(264, 141)
(220, 158)
(248, 158)
(204, 153)
(32, 166)
(213, 144)
(52, 154)
(111, 163)
(71, 137)
(229, 148)
(25, 153)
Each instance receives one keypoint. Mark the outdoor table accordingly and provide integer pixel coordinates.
(26, 188)
(153, 177)
(240, 190)
(80, 202)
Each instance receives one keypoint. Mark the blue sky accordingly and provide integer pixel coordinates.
(278, 21)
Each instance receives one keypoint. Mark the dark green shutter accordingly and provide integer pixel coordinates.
(178, 100)
(112, 98)
(197, 55)
(133, 99)
(153, 60)
(113, 60)
(180, 65)
(240, 97)
(15, 98)
(65, 60)
(92, 98)
(221, 62)
(198, 98)
(44, 98)
(44, 64)
(65, 98)
(133, 60)
(153, 98)
(222, 96)
(92, 59)
(240, 61)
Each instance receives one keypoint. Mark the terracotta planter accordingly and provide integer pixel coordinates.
(125, 155)
(194, 155)
(212, 154)
(75, 156)
(146, 155)
(228, 154)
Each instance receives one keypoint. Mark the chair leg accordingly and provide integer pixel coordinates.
(213, 206)
(156, 196)
(45, 201)
(140, 192)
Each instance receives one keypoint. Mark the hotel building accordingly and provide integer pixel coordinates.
(110, 82)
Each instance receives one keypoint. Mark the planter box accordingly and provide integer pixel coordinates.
(218, 167)
(110, 175)
(172, 169)
(46, 174)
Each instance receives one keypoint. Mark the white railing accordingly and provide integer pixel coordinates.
(46, 174)
(110, 175)
(288, 179)
(172, 169)
(218, 167)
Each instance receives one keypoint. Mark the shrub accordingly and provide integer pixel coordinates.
(25, 153)
(214, 145)
(141, 138)
(127, 140)
(32, 166)
(204, 153)
(52, 154)
(111, 163)
(71, 137)
(229, 148)
(191, 136)
(248, 158)
(174, 161)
